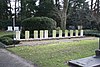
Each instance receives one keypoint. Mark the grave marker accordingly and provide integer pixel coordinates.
(46, 34)
(76, 32)
(35, 34)
(66, 33)
(81, 32)
(16, 28)
(9, 28)
(71, 33)
(27, 35)
(54, 34)
(17, 35)
(60, 33)
(41, 34)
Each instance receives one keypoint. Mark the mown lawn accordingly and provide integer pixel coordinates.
(3, 33)
(56, 55)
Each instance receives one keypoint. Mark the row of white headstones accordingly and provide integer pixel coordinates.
(44, 34)
(10, 28)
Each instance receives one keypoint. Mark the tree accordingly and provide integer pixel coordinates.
(79, 13)
(45, 8)
(95, 8)
(9, 9)
(4, 12)
(28, 8)
(61, 12)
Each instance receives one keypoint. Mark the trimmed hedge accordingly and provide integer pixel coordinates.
(8, 40)
(95, 33)
(38, 23)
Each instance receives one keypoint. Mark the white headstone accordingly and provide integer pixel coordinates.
(76, 32)
(66, 33)
(16, 28)
(81, 32)
(35, 34)
(17, 35)
(54, 33)
(46, 34)
(60, 33)
(80, 27)
(71, 33)
(9, 28)
(27, 35)
(41, 34)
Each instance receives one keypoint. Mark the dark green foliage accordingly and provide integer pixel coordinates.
(11, 36)
(7, 40)
(4, 12)
(79, 13)
(1, 26)
(28, 8)
(95, 33)
(38, 23)
(45, 8)
(5, 24)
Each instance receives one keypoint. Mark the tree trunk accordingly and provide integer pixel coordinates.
(64, 14)
(63, 21)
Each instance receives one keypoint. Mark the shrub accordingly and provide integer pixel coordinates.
(11, 35)
(8, 41)
(91, 33)
(38, 23)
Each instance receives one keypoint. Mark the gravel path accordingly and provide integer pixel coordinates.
(44, 42)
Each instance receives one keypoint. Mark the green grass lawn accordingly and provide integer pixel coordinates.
(56, 55)
(2, 33)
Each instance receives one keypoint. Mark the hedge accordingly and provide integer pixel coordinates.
(95, 33)
(8, 40)
(38, 23)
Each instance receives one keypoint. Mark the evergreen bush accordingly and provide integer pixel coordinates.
(38, 23)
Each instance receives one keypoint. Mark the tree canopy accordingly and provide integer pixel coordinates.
(64, 12)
